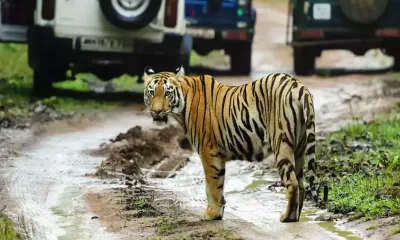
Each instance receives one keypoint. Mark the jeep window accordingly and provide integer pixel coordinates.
(17, 12)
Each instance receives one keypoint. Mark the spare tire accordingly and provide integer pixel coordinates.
(363, 11)
(130, 14)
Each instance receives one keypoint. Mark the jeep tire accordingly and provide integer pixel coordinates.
(42, 83)
(395, 52)
(123, 16)
(363, 12)
(240, 53)
(304, 61)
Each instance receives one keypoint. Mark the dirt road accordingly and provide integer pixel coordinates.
(45, 180)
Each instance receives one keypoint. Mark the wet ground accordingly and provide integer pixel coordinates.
(46, 184)
(51, 190)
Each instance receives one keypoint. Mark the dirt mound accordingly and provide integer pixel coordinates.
(139, 151)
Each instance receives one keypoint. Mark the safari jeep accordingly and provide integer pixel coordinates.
(355, 25)
(104, 37)
(223, 24)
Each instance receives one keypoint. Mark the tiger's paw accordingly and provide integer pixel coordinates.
(286, 218)
(212, 214)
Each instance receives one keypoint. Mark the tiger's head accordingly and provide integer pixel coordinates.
(163, 94)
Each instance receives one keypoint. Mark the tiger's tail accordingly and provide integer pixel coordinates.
(309, 115)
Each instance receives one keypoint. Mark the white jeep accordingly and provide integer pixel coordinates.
(104, 37)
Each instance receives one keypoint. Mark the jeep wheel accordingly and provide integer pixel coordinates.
(363, 12)
(130, 14)
(304, 61)
(42, 83)
(240, 54)
(396, 64)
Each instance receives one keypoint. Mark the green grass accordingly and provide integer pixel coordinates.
(165, 225)
(7, 231)
(143, 203)
(123, 83)
(362, 161)
(256, 183)
(16, 86)
(396, 229)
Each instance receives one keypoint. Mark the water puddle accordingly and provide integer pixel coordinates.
(46, 183)
(249, 197)
(331, 226)
(309, 214)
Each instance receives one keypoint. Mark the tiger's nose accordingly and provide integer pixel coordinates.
(157, 111)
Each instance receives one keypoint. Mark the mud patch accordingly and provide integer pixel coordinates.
(154, 152)
(143, 212)
(15, 117)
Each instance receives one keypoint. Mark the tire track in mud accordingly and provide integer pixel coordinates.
(46, 182)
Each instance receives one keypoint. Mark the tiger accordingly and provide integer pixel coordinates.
(237, 122)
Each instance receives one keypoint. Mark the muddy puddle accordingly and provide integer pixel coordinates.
(252, 194)
(45, 183)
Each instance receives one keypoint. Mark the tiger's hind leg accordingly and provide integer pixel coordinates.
(299, 168)
(285, 163)
(214, 170)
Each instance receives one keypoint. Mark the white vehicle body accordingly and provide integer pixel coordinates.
(79, 32)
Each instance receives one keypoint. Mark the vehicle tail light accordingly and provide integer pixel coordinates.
(234, 35)
(387, 32)
(171, 13)
(311, 34)
(48, 9)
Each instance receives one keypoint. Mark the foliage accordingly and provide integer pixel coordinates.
(16, 86)
(165, 225)
(76, 85)
(7, 231)
(362, 164)
(14, 60)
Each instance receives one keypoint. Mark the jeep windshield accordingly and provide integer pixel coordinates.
(218, 14)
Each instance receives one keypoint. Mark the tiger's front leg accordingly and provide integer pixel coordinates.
(214, 170)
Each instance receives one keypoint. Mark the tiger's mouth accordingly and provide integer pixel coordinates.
(159, 120)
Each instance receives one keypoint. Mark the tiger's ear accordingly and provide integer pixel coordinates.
(180, 73)
(146, 74)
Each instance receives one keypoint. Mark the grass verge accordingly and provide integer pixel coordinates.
(362, 164)
(7, 231)
(16, 87)
(16, 100)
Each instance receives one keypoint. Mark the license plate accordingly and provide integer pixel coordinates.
(322, 11)
(201, 33)
(106, 44)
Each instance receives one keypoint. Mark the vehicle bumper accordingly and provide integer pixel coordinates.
(42, 38)
(209, 34)
(356, 41)
(47, 51)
